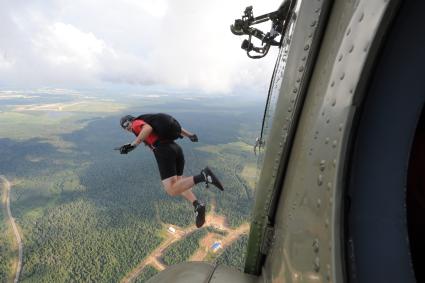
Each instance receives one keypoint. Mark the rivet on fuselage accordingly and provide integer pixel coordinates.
(322, 165)
(316, 245)
(328, 272)
(366, 48)
(317, 264)
(320, 180)
(361, 17)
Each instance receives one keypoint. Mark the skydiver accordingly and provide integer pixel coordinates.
(169, 157)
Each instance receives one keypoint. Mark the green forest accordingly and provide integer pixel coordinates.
(147, 273)
(234, 255)
(87, 213)
(182, 250)
(5, 249)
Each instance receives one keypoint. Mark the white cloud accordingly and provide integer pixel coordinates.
(63, 44)
(156, 8)
(180, 44)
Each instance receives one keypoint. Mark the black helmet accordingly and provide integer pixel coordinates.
(125, 120)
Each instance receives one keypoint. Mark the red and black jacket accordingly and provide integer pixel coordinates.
(136, 128)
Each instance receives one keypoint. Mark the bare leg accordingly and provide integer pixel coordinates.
(189, 195)
(176, 186)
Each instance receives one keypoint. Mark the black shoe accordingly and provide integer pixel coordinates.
(200, 215)
(210, 178)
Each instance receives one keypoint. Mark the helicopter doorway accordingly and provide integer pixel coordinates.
(415, 200)
(383, 237)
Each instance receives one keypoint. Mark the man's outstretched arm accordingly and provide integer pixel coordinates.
(186, 133)
(191, 136)
(144, 133)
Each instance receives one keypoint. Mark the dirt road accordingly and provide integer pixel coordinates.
(211, 238)
(212, 219)
(10, 219)
(155, 255)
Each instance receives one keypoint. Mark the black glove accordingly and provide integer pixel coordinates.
(126, 148)
(194, 138)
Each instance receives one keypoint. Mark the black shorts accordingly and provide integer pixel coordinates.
(170, 159)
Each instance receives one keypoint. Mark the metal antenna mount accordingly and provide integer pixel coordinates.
(244, 25)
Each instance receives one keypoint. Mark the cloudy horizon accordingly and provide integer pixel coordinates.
(184, 45)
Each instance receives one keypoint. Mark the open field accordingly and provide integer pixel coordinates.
(222, 148)
(49, 121)
(78, 106)
(249, 173)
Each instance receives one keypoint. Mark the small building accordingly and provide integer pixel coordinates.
(171, 230)
(216, 246)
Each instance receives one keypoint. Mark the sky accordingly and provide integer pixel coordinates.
(177, 44)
